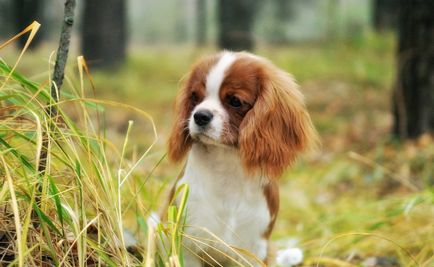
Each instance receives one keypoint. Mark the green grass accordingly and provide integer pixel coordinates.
(90, 184)
(361, 195)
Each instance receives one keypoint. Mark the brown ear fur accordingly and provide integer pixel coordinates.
(278, 126)
(179, 142)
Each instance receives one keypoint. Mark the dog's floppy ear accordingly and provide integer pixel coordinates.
(278, 126)
(179, 142)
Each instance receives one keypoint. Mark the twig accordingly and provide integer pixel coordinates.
(62, 52)
(402, 180)
(58, 74)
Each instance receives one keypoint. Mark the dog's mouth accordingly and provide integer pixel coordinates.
(204, 138)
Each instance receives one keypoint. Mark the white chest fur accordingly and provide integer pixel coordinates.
(225, 202)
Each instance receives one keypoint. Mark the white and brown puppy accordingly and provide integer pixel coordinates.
(241, 121)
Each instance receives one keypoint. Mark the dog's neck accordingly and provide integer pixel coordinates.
(222, 163)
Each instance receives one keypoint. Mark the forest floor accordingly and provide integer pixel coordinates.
(362, 199)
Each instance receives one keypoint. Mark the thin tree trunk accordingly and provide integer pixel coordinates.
(282, 14)
(385, 14)
(25, 12)
(59, 70)
(413, 97)
(103, 40)
(6, 18)
(236, 19)
(201, 12)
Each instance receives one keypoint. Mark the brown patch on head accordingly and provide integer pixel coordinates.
(191, 93)
(240, 87)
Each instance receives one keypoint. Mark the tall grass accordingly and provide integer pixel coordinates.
(72, 214)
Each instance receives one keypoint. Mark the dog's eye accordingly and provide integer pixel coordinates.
(234, 101)
(194, 97)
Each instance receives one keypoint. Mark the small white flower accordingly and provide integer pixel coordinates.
(289, 257)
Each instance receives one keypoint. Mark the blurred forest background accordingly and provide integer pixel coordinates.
(366, 68)
(106, 29)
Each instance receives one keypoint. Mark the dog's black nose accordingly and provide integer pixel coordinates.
(202, 117)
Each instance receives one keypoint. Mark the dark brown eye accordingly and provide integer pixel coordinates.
(234, 101)
(194, 97)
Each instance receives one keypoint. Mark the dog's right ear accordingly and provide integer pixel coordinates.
(180, 142)
(192, 92)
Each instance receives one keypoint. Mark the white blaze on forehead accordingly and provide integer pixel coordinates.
(217, 73)
(211, 102)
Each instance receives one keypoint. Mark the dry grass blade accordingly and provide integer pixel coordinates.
(414, 261)
(91, 222)
(328, 262)
(33, 29)
(406, 182)
(240, 253)
(20, 242)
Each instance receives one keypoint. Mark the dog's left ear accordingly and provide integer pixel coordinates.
(278, 127)
(179, 142)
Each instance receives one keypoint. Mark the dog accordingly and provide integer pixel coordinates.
(240, 121)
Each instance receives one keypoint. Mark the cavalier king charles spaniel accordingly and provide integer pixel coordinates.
(240, 121)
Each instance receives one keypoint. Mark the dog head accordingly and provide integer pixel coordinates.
(242, 101)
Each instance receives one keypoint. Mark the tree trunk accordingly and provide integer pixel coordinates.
(201, 12)
(25, 12)
(282, 14)
(413, 98)
(103, 41)
(6, 19)
(236, 19)
(385, 14)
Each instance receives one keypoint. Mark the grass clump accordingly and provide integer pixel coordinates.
(71, 214)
